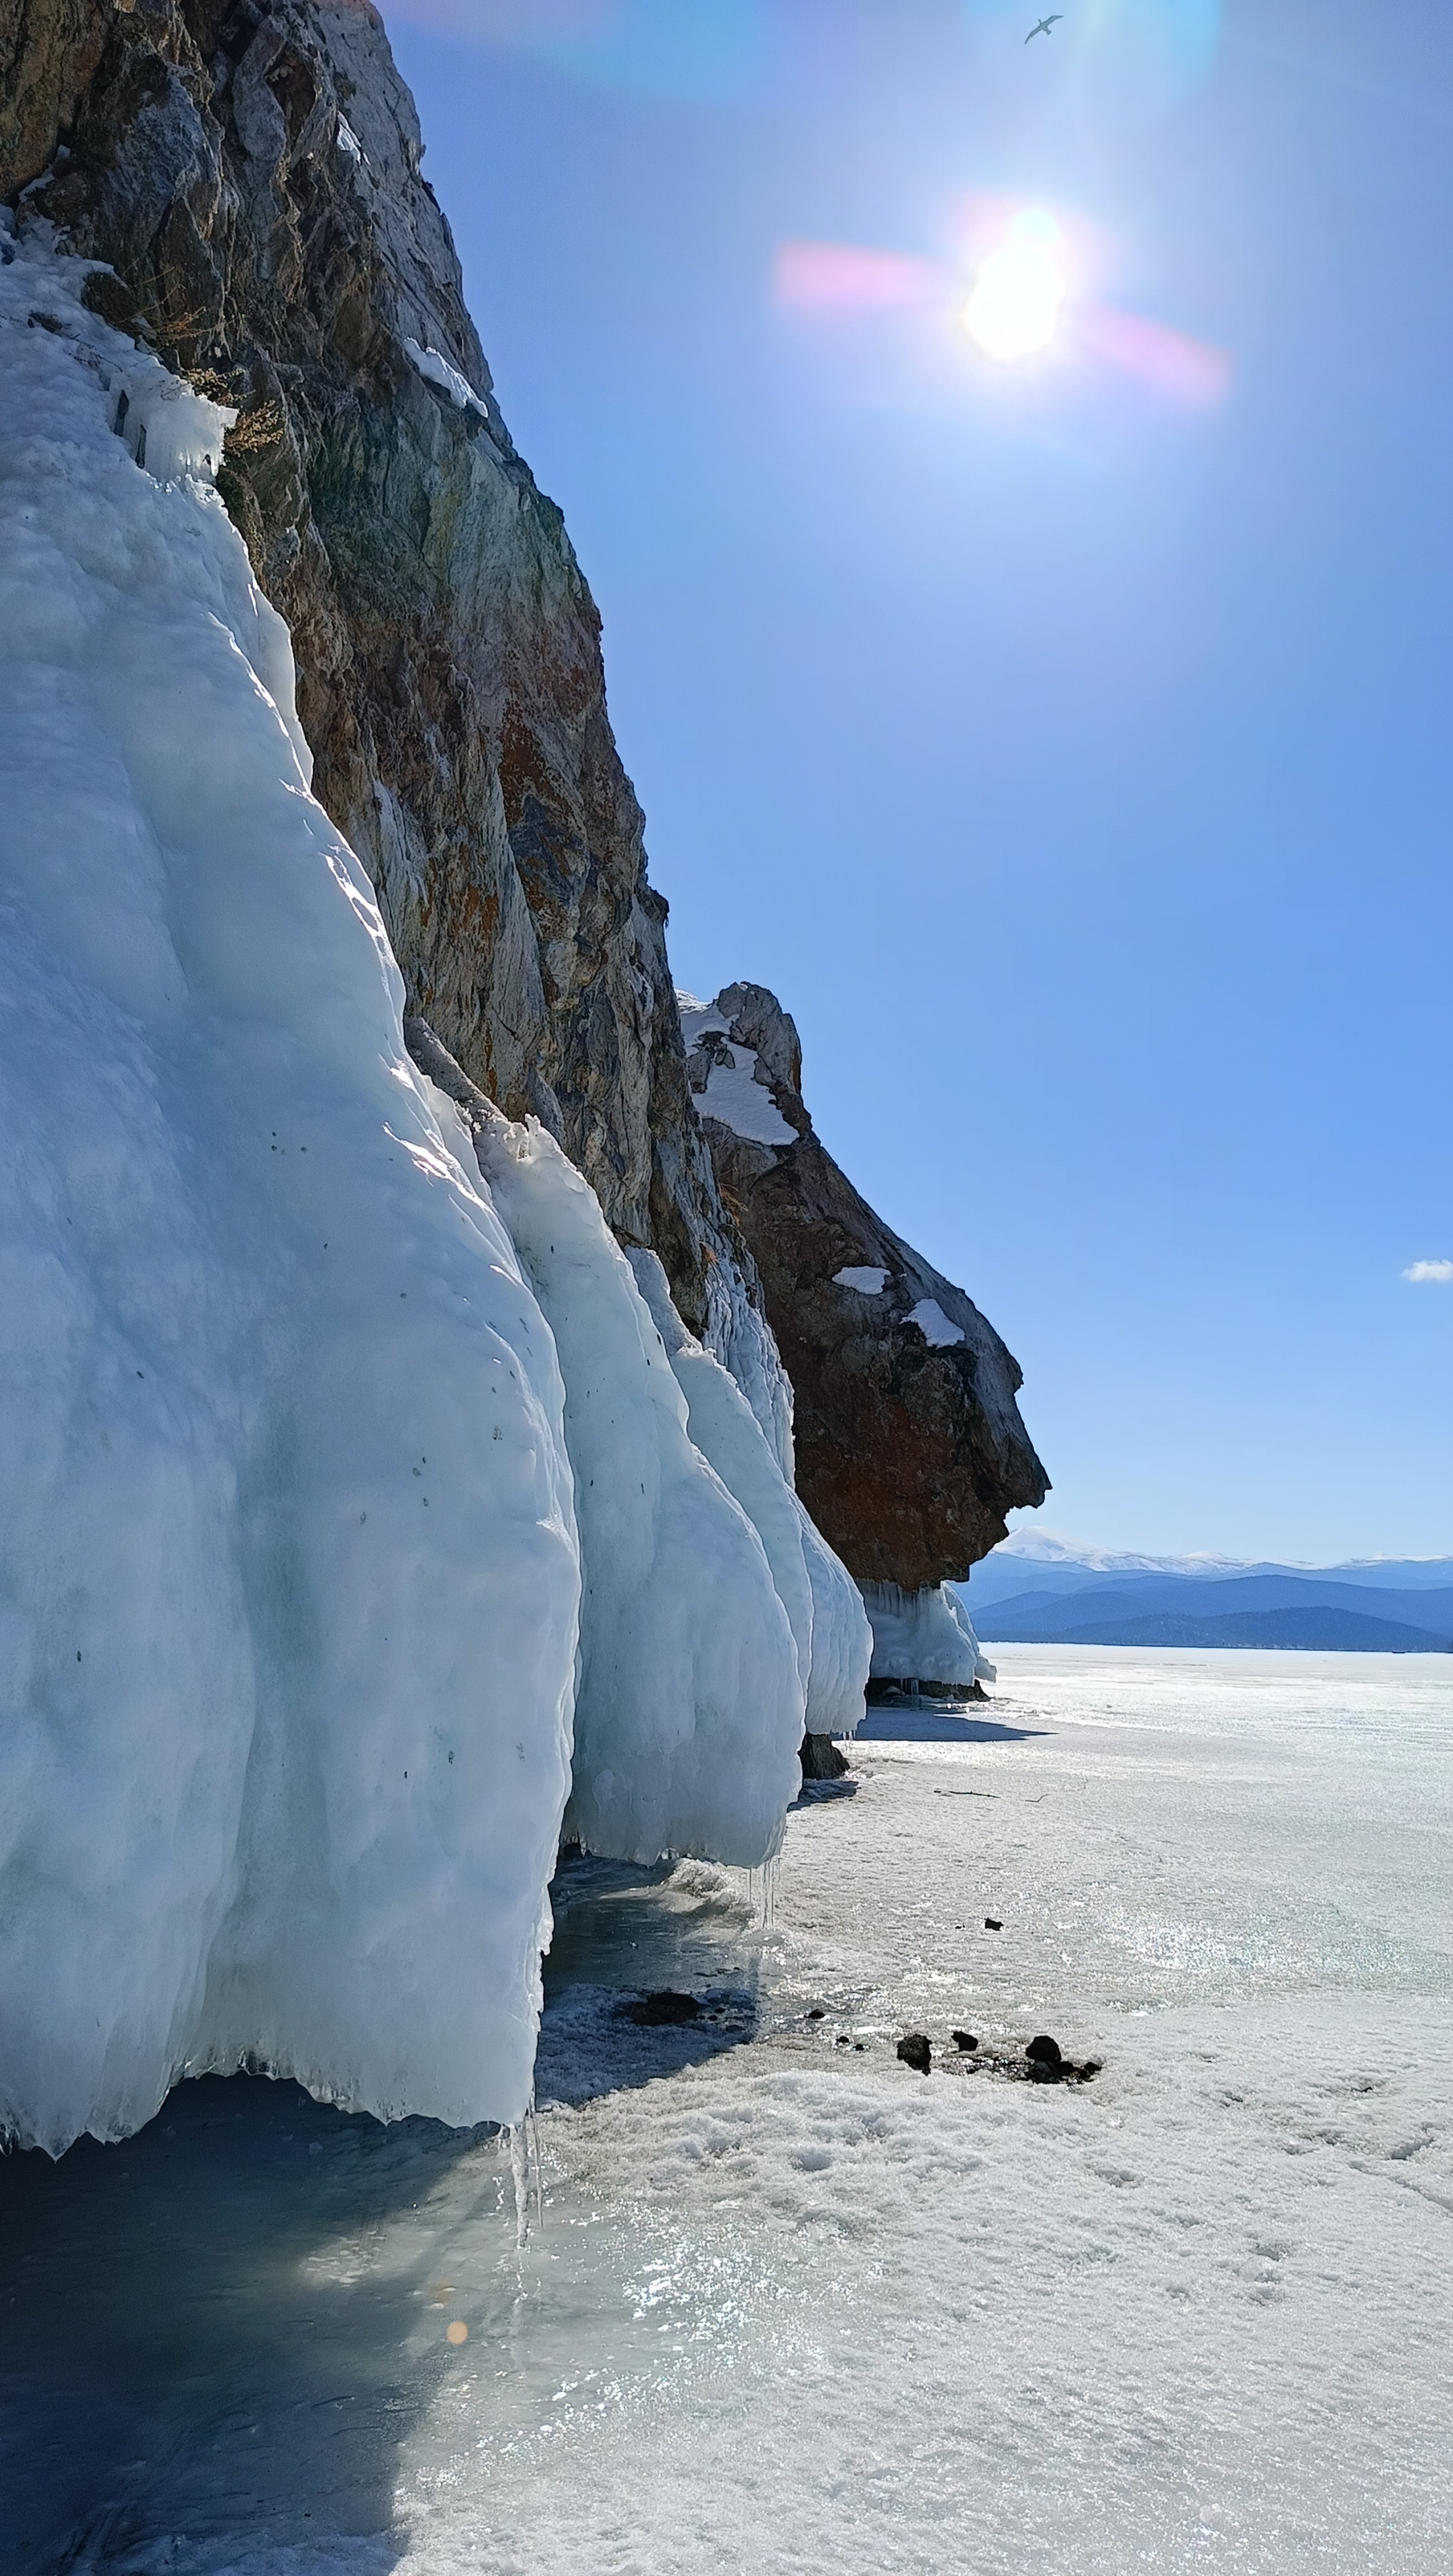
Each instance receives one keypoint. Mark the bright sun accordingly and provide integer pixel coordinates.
(1019, 289)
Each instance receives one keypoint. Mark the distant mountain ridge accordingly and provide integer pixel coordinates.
(1051, 1594)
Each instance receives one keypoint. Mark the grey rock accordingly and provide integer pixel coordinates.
(822, 1759)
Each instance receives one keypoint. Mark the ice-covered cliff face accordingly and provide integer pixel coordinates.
(355, 1513)
(910, 1447)
(252, 173)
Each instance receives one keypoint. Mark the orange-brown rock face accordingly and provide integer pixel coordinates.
(251, 173)
(910, 1449)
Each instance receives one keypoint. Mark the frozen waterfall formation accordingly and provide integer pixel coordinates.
(909, 1444)
(398, 1460)
(361, 1507)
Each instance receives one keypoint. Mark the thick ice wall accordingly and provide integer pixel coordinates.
(834, 1639)
(923, 1636)
(691, 1700)
(739, 1335)
(291, 1580)
(842, 1638)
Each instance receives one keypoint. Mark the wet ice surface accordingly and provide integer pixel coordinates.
(791, 2305)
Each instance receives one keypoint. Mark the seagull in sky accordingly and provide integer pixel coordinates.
(1045, 27)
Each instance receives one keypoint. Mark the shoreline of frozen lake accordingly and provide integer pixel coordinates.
(791, 2304)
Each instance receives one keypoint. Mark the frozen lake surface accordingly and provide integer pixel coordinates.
(789, 2305)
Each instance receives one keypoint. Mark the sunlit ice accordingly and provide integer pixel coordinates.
(1014, 308)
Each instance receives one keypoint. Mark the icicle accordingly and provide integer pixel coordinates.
(520, 2174)
(532, 2123)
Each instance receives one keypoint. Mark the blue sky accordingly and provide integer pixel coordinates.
(1065, 740)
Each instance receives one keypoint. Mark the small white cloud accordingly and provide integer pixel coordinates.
(1439, 1272)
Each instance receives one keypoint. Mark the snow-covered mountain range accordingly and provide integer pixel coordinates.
(1041, 1589)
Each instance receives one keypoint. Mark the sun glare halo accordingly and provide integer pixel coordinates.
(1015, 304)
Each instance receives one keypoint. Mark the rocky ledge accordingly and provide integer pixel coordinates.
(910, 1448)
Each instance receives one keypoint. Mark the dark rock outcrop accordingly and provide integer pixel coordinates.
(250, 170)
(821, 1759)
(910, 1448)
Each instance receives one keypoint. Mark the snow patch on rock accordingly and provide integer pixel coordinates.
(735, 1090)
(735, 1096)
(868, 1280)
(935, 1326)
(438, 371)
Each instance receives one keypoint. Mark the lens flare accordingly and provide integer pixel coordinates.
(1014, 309)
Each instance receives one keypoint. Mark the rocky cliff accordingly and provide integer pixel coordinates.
(246, 174)
(910, 1448)
(251, 176)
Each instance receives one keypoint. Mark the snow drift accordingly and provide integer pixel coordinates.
(319, 1501)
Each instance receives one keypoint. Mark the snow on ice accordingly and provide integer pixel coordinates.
(293, 1603)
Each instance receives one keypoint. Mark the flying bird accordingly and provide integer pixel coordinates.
(1045, 27)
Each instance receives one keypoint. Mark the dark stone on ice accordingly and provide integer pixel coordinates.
(816, 2013)
(657, 2011)
(821, 1759)
(1044, 2051)
(964, 2041)
(992, 1923)
(916, 2052)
